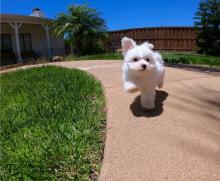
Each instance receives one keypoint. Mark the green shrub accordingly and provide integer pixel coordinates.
(207, 26)
(83, 28)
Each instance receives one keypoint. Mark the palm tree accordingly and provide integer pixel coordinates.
(83, 27)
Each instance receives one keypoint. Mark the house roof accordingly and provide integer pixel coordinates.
(5, 18)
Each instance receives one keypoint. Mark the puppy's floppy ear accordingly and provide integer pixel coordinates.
(127, 44)
(148, 45)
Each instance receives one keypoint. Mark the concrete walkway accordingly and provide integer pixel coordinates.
(180, 140)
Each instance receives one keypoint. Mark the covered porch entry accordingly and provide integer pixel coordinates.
(26, 36)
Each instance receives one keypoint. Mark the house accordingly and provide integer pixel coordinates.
(25, 37)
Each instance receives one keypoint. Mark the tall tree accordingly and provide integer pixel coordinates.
(208, 27)
(83, 27)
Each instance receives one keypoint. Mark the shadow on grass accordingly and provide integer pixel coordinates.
(138, 111)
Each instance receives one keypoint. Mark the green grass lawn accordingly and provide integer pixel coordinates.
(171, 57)
(52, 125)
(190, 58)
(104, 56)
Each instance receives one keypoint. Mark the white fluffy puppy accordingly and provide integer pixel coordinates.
(143, 70)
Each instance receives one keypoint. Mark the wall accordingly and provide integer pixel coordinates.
(6, 29)
(38, 38)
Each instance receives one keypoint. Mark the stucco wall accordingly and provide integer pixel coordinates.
(38, 36)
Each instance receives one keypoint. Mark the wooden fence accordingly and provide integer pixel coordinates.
(163, 38)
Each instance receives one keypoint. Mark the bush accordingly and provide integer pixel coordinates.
(207, 26)
(83, 28)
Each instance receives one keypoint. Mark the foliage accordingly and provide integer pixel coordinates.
(190, 58)
(171, 57)
(208, 27)
(83, 27)
(103, 56)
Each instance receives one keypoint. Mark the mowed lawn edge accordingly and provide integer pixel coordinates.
(52, 124)
(168, 56)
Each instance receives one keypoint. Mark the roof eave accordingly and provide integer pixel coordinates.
(5, 18)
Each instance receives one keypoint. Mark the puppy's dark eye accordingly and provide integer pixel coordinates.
(147, 59)
(135, 59)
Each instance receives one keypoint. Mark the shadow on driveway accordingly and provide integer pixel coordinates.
(138, 111)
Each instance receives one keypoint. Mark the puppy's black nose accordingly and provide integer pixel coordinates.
(144, 66)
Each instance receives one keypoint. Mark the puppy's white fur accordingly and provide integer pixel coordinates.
(143, 70)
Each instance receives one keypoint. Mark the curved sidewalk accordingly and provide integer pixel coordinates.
(180, 140)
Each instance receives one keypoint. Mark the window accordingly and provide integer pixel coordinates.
(6, 43)
(25, 41)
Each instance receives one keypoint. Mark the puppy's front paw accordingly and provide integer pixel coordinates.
(148, 104)
(160, 85)
(130, 88)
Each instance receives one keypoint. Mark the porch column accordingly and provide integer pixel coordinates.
(47, 28)
(16, 27)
